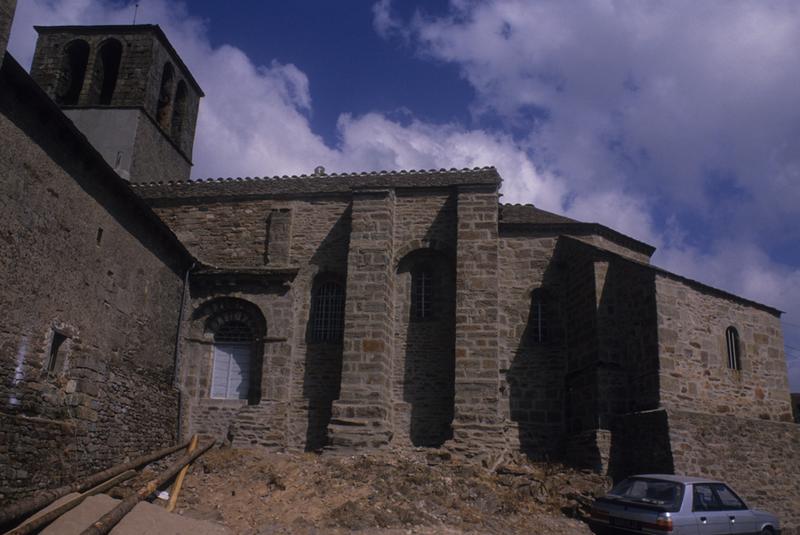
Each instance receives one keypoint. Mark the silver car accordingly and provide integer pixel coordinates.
(658, 503)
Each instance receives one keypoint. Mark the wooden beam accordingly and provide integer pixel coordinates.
(176, 488)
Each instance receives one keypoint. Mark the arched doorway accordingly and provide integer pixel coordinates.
(237, 329)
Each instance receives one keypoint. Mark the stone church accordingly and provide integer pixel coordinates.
(337, 312)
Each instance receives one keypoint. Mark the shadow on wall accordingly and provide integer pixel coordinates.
(628, 372)
(588, 355)
(640, 444)
(322, 376)
(428, 309)
(535, 376)
(323, 370)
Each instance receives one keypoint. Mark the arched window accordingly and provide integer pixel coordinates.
(734, 350)
(73, 71)
(107, 72)
(164, 106)
(327, 311)
(233, 347)
(179, 111)
(423, 293)
(539, 318)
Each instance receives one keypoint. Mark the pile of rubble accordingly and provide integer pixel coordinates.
(254, 492)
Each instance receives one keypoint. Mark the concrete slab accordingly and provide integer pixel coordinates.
(145, 519)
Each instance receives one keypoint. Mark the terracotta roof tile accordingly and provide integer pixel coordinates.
(322, 183)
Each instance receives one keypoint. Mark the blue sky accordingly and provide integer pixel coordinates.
(675, 122)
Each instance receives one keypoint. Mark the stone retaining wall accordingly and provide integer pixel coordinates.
(759, 459)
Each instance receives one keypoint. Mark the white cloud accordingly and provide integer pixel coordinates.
(374, 141)
(384, 23)
(668, 98)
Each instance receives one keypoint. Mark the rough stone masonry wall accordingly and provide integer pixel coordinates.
(77, 258)
(266, 305)
(477, 423)
(423, 357)
(627, 353)
(154, 155)
(6, 18)
(320, 240)
(693, 356)
(302, 374)
(532, 372)
(361, 417)
(220, 233)
(422, 383)
(759, 459)
(580, 310)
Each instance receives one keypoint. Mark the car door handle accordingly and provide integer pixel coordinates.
(703, 519)
(733, 519)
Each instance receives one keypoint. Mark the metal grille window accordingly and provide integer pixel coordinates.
(538, 317)
(732, 343)
(422, 294)
(232, 358)
(327, 312)
(233, 332)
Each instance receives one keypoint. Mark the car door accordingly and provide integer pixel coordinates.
(708, 513)
(740, 518)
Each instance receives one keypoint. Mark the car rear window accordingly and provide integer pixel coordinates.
(666, 495)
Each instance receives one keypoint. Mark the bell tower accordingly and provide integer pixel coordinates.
(127, 90)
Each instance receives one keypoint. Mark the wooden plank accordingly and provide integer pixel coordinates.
(176, 487)
(112, 518)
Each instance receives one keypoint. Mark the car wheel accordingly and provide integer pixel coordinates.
(767, 531)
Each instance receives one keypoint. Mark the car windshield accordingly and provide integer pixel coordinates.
(664, 494)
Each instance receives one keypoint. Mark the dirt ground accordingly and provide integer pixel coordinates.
(421, 492)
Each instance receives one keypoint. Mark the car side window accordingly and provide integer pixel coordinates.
(727, 498)
(705, 499)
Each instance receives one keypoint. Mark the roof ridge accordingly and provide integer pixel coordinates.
(353, 174)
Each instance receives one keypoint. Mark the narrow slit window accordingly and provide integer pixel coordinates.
(422, 294)
(734, 350)
(538, 320)
(55, 359)
(327, 312)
